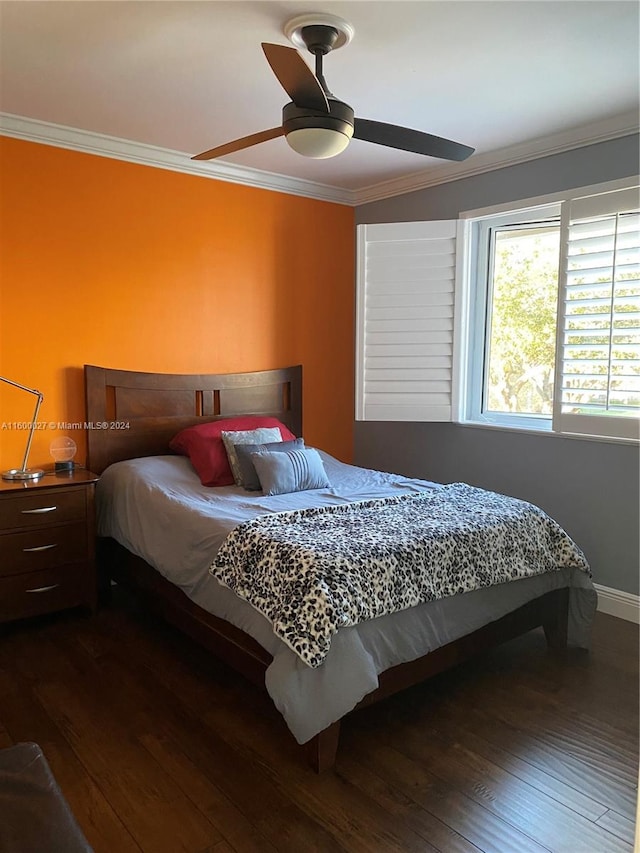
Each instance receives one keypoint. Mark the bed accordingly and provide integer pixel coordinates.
(133, 416)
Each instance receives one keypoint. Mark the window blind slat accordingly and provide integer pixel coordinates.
(406, 312)
(413, 362)
(409, 388)
(414, 351)
(409, 248)
(420, 324)
(410, 281)
(409, 374)
(397, 301)
(410, 336)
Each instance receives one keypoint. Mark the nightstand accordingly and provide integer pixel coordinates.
(47, 544)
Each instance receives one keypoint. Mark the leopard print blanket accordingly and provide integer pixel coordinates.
(313, 571)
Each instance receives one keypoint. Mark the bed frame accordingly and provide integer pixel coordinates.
(136, 414)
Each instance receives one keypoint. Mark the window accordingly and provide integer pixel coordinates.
(527, 318)
(514, 318)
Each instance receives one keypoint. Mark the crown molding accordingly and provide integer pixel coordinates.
(60, 136)
(601, 131)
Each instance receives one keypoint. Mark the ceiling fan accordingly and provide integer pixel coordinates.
(316, 123)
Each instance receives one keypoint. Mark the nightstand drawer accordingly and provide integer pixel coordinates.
(42, 592)
(46, 548)
(35, 509)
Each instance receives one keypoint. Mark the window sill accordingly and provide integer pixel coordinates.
(606, 439)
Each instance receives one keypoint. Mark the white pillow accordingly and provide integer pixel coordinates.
(262, 435)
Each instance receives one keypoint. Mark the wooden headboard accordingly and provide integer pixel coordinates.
(133, 414)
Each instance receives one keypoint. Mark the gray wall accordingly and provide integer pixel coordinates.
(591, 488)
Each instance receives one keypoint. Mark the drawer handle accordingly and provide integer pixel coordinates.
(43, 588)
(42, 509)
(41, 548)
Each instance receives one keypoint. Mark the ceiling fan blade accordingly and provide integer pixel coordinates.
(394, 136)
(295, 76)
(239, 144)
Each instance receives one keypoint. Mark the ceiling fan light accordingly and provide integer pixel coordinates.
(318, 142)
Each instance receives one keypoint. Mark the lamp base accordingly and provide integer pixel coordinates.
(23, 474)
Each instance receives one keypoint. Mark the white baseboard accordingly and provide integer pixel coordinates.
(614, 602)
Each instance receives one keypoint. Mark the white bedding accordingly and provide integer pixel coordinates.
(157, 508)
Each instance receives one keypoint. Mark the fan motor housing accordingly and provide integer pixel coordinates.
(340, 118)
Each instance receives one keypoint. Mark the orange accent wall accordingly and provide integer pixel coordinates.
(126, 266)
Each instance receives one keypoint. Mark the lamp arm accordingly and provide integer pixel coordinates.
(21, 387)
(33, 426)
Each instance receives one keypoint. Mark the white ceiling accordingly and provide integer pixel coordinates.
(188, 75)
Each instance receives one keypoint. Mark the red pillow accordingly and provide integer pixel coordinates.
(204, 446)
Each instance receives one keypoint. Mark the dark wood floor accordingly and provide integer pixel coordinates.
(161, 749)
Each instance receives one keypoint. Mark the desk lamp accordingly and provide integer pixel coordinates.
(25, 473)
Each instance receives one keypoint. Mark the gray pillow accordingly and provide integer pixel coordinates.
(248, 474)
(291, 471)
(233, 438)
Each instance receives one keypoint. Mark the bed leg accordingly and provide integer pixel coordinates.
(322, 749)
(556, 624)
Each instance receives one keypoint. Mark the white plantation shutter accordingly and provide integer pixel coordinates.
(598, 372)
(405, 358)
